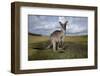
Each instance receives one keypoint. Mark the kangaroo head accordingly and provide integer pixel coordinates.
(63, 25)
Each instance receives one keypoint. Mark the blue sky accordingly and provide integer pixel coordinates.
(45, 25)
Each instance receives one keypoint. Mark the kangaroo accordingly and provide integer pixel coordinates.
(57, 37)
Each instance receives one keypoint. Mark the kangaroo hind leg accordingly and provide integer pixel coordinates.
(54, 46)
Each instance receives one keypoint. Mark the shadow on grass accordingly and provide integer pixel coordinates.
(39, 45)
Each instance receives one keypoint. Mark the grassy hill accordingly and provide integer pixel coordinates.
(74, 47)
(33, 34)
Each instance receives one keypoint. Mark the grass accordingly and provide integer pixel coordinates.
(74, 47)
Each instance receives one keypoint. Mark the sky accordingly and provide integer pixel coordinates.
(45, 25)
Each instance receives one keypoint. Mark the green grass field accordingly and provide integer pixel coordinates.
(74, 47)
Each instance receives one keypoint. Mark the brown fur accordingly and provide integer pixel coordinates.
(57, 37)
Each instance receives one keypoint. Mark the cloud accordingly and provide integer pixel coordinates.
(47, 24)
(76, 28)
(62, 19)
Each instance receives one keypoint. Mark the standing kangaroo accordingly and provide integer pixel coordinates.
(57, 37)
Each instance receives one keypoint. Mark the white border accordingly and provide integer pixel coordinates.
(25, 64)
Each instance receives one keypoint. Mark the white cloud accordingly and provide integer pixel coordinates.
(76, 28)
(62, 19)
(47, 24)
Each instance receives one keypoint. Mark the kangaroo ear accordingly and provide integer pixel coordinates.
(61, 24)
(66, 22)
